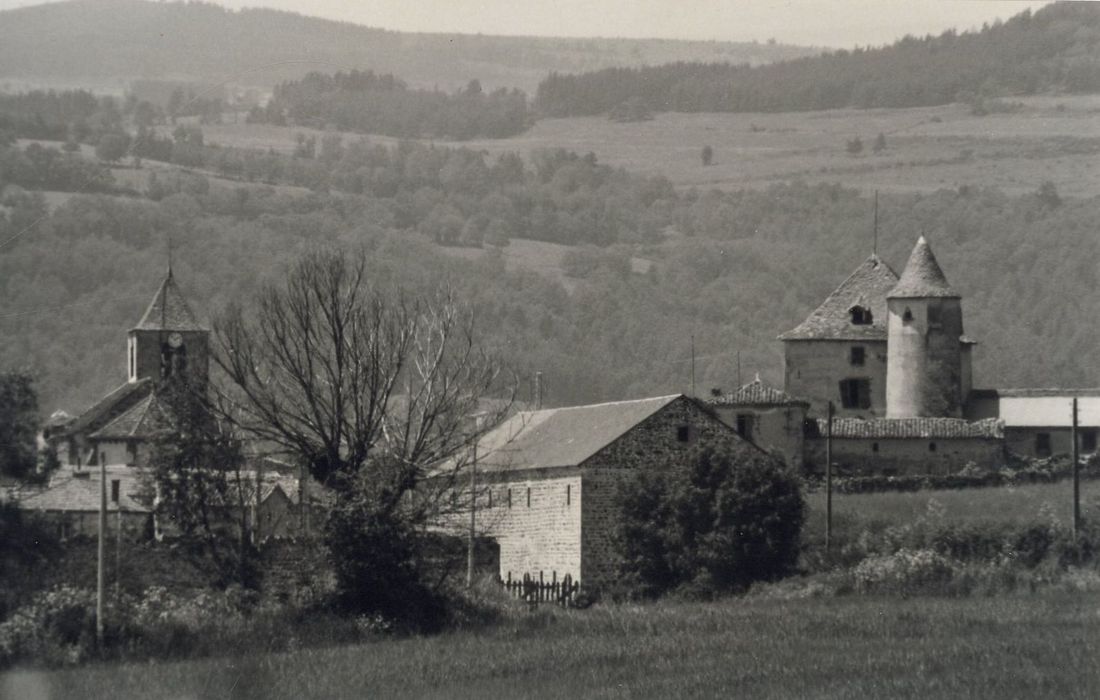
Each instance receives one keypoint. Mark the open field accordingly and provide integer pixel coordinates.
(1018, 505)
(1039, 646)
(1048, 138)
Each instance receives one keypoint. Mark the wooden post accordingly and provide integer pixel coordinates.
(1076, 473)
(471, 544)
(829, 479)
(101, 549)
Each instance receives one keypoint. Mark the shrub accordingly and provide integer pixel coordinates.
(707, 522)
(906, 571)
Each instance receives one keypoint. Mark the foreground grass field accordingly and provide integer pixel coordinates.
(1040, 646)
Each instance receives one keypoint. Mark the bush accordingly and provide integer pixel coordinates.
(906, 571)
(708, 522)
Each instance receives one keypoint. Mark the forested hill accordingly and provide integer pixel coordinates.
(105, 41)
(1055, 49)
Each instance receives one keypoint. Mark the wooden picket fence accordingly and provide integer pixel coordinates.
(538, 590)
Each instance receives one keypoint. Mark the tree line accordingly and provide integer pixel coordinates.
(1055, 49)
(364, 102)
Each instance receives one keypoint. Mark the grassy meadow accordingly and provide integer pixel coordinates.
(1042, 646)
(927, 148)
(791, 639)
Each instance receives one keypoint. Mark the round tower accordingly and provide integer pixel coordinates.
(924, 364)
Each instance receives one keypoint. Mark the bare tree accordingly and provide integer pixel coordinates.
(354, 379)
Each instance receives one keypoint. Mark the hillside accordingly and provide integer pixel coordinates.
(1056, 49)
(107, 43)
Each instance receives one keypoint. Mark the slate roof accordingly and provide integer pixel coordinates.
(866, 286)
(922, 276)
(562, 437)
(110, 406)
(169, 310)
(141, 421)
(904, 428)
(79, 495)
(757, 393)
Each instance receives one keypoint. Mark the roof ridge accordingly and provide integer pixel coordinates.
(668, 397)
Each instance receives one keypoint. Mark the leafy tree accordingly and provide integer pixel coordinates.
(1048, 195)
(203, 495)
(854, 146)
(709, 521)
(18, 423)
(112, 147)
(708, 155)
(880, 143)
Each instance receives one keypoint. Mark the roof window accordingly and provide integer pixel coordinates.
(861, 315)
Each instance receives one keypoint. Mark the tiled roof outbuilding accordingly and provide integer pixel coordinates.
(907, 428)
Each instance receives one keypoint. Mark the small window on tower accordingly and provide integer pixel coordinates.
(934, 318)
(858, 356)
(861, 315)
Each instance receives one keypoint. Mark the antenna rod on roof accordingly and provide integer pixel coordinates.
(738, 369)
(874, 248)
(693, 364)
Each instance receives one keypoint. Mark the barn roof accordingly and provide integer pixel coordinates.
(562, 437)
(922, 276)
(169, 310)
(757, 393)
(906, 428)
(867, 287)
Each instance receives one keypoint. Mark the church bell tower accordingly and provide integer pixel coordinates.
(168, 341)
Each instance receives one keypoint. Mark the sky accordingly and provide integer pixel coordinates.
(833, 23)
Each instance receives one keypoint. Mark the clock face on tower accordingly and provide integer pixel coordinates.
(175, 340)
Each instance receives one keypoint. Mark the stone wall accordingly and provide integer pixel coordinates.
(536, 520)
(813, 370)
(866, 456)
(772, 428)
(655, 440)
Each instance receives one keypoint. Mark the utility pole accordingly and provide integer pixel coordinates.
(472, 543)
(101, 549)
(829, 479)
(1076, 474)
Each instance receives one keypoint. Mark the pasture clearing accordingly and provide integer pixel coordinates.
(927, 148)
(1035, 646)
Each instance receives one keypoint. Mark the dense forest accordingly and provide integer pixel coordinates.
(1055, 49)
(733, 269)
(382, 104)
(258, 47)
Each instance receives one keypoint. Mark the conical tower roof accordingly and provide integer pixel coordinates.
(169, 310)
(922, 276)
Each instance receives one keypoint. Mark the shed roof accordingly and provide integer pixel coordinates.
(80, 495)
(922, 276)
(907, 428)
(867, 287)
(757, 393)
(169, 311)
(562, 437)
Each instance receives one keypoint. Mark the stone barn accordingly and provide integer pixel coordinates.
(548, 478)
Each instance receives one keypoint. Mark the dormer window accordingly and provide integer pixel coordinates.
(861, 315)
(907, 316)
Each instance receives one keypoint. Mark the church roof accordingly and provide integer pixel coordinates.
(169, 310)
(109, 407)
(757, 393)
(922, 276)
(142, 421)
(867, 287)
